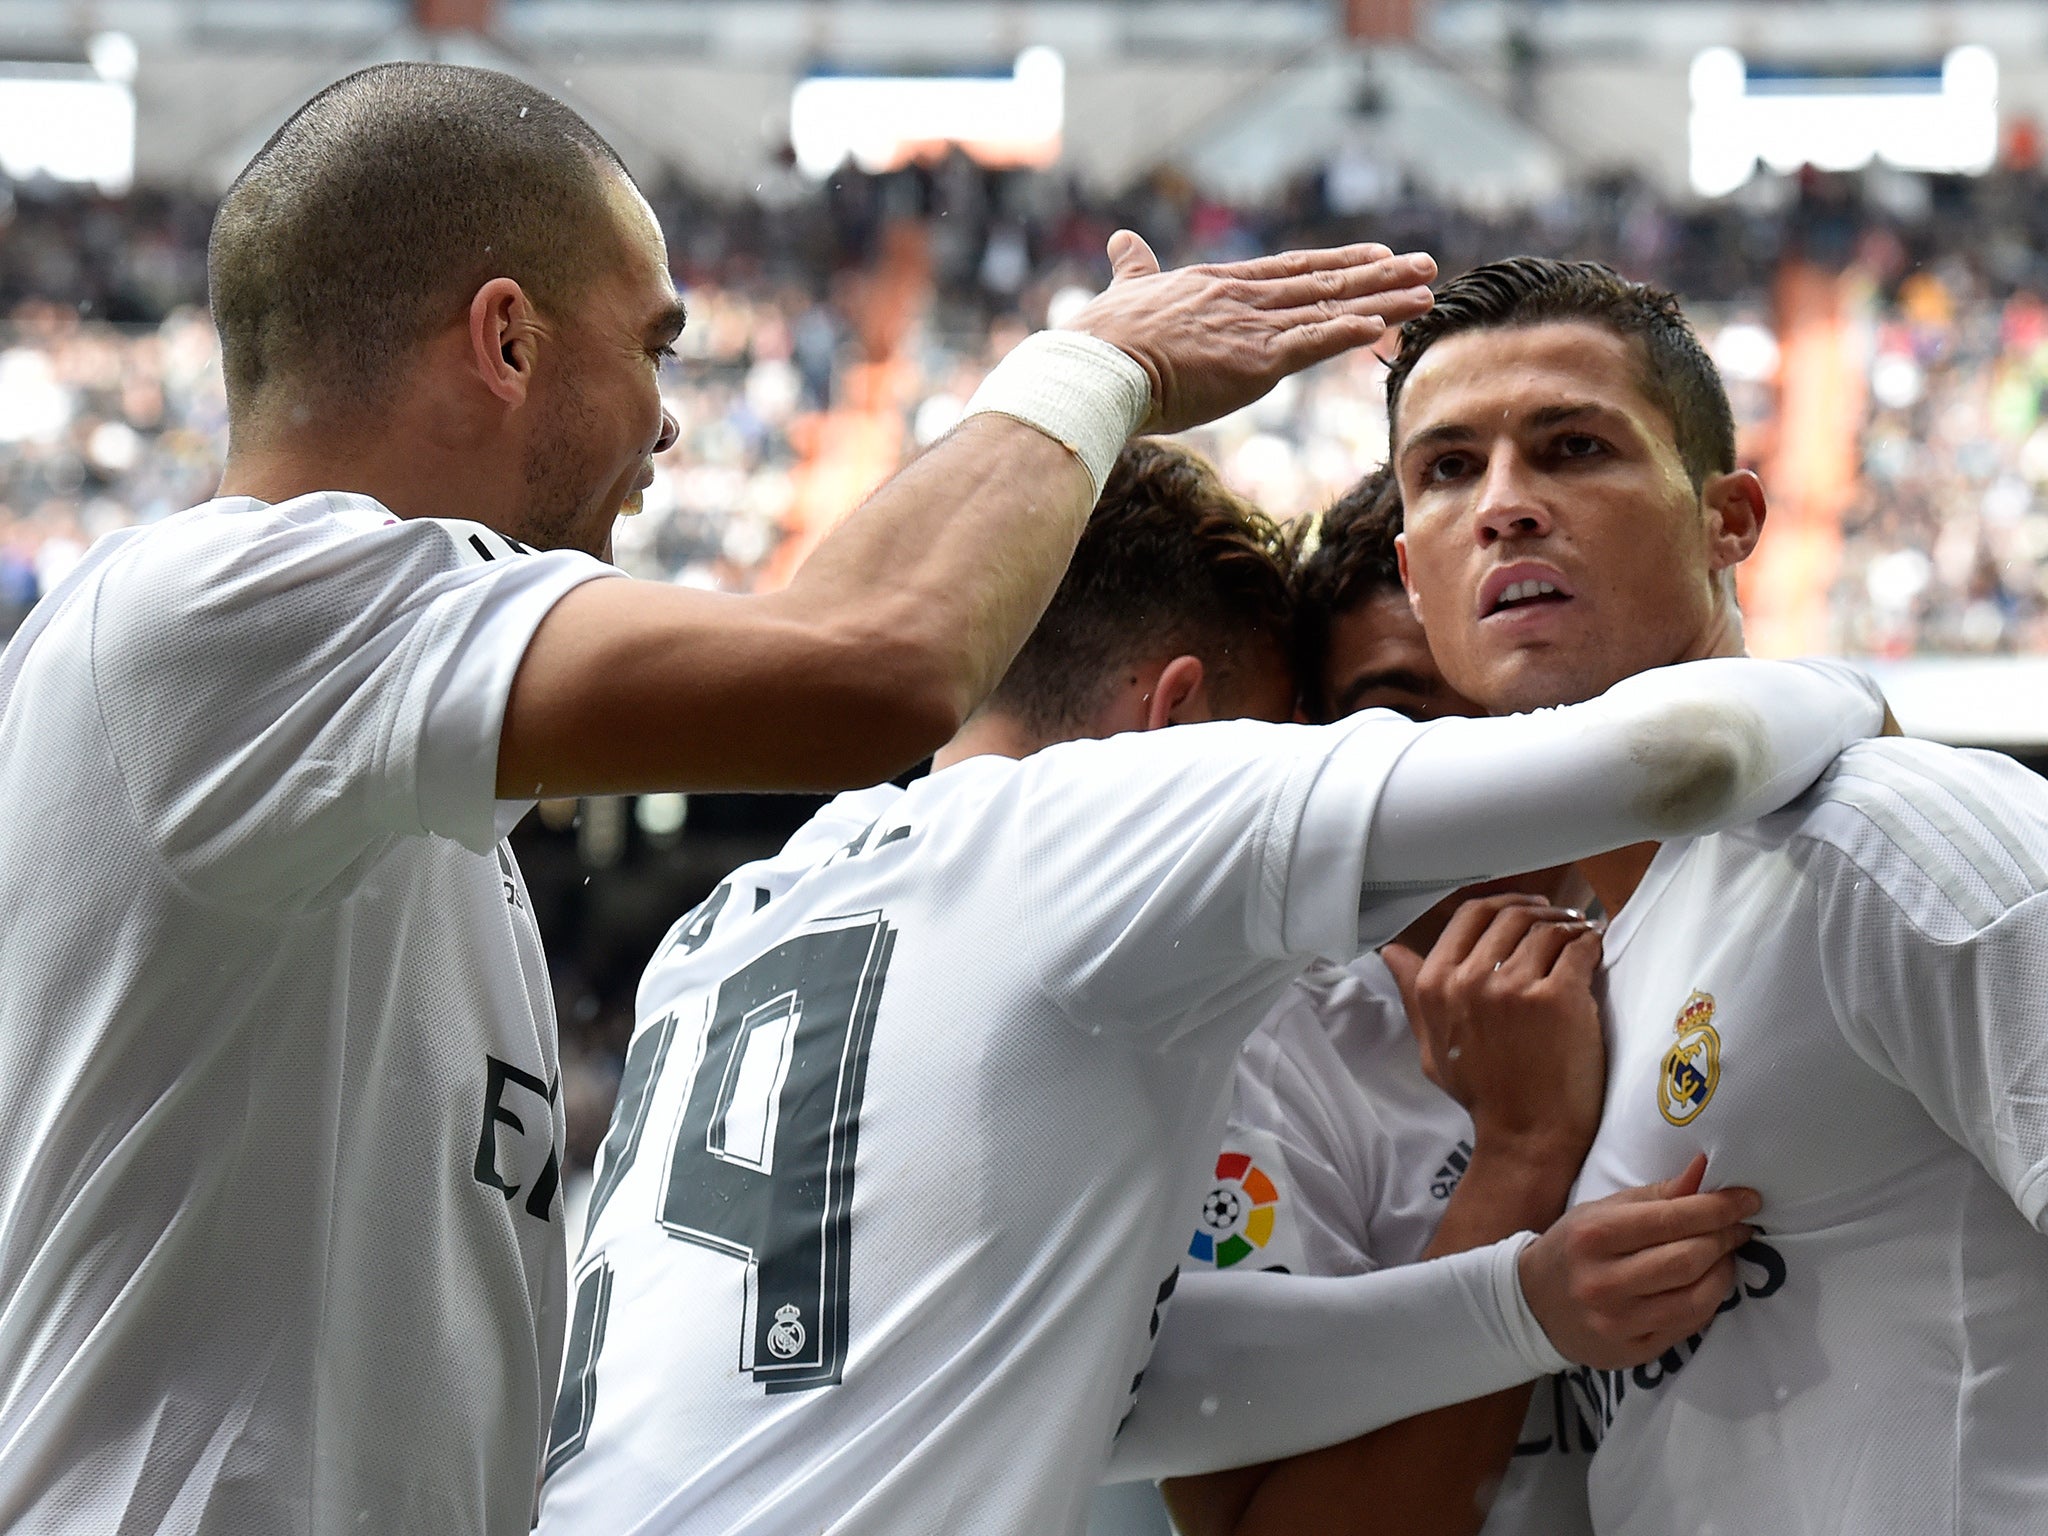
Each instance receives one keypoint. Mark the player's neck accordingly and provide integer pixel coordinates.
(1615, 875)
(988, 733)
(406, 482)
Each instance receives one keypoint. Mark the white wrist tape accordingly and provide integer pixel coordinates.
(1080, 391)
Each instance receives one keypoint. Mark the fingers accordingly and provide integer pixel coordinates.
(1407, 276)
(1130, 256)
(1688, 1182)
(1664, 1320)
(1471, 921)
(1673, 1266)
(1580, 959)
(1404, 962)
(1292, 263)
(1627, 1227)
(1303, 345)
(1536, 956)
(1507, 933)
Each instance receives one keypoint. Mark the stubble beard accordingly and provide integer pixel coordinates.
(563, 482)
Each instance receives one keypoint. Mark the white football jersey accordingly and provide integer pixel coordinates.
(1844, 1005)
(897, 1185)
(280, 1224)
(1339, 1159)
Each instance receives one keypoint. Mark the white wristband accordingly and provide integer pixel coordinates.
(1079, 390)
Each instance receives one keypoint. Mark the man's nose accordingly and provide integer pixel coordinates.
(1508, 505)
(670, 431)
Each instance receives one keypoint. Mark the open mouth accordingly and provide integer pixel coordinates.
(1522, 587)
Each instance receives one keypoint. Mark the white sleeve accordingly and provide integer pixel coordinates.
(1156, 870)
(1960, 1019)
(1671, 752)
(283, 689)
(1250, 1368)
(1322, 1150)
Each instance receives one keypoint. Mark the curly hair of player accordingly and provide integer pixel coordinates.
(1172, 561)
(1337, 561)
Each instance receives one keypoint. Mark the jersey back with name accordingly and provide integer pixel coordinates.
(891, 1199)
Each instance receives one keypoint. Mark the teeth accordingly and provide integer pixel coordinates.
(1522, 591)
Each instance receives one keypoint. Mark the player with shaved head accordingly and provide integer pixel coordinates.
(281, 1241)
(895, 1196)
(1840, 1004)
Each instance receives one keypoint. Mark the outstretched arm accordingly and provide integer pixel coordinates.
(1254, 1368)
(1668, 753)
(909, 613)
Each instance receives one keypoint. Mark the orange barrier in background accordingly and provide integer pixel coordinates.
(851, 449)
(1810, 469)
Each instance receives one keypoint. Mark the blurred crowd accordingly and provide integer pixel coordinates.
(807, 306)
(111, 407)
(824, 347)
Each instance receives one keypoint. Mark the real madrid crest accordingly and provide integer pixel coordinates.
(1692, 1067)
(786, 1337)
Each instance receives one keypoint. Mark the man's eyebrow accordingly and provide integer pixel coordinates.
(1449, 433)
(1394, 679)
(1454, 434)
(1577, 410)
(667, 325)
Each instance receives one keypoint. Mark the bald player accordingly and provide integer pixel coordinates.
(280, 1217)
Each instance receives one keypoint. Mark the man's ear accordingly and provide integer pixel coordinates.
(1735, 510)
(1178, 697)
(1414, 597)
(504, 339)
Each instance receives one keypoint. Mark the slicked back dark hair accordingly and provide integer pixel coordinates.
(1172, 561)
(1340, 560)
(376, 212)
(1677, 375)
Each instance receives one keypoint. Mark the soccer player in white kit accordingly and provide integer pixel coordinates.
(1841, 1004)
(1350, 1151)
(281, 1239)
(896, 1187)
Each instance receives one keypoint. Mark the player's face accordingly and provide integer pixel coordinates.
(1379, 659)
(599, 418)
(1554, 543)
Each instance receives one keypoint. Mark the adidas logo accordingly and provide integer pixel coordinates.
(1454, 1167)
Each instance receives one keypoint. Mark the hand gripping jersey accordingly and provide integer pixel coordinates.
(1842, 1005)
(280, 1229)
(1339, 1160)
(895, 1191)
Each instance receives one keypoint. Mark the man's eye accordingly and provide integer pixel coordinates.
(1578, 445)
(665, 354)
(1448, 467)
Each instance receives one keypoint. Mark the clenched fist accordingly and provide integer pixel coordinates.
(1214, 338)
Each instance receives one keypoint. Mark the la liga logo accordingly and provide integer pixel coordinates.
(1237, 1215)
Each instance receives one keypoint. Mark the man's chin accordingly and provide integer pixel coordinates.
(1528, 683)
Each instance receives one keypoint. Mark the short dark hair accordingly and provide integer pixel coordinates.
(1678, 376)
(1340, 560)
(1171, 558)
(381, 206)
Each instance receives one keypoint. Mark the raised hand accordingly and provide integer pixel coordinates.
(1214, 338)
(1504, 1015)
(1618, 1281)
